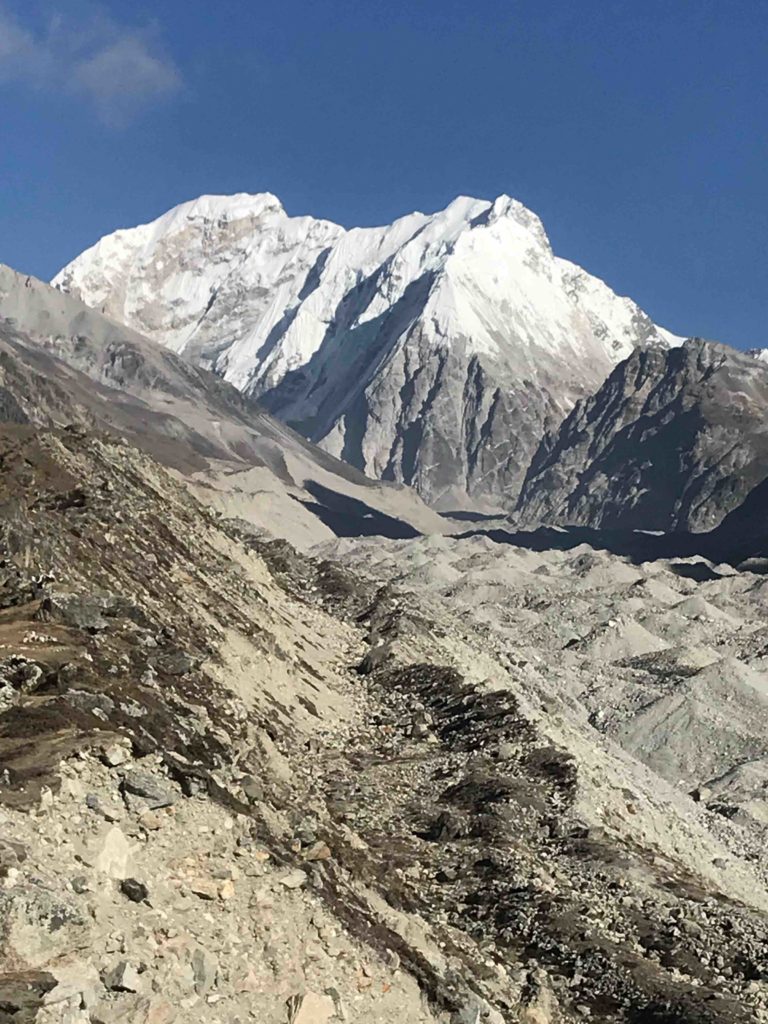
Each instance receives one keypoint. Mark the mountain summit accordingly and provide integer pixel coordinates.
(434, 351)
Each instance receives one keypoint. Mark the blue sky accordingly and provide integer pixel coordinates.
(638, 131)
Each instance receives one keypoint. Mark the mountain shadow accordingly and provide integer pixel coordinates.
(741, 540)
(350, 517)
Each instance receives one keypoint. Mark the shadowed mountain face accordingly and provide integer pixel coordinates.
(673, 440)
(61, 363)
(743, 534)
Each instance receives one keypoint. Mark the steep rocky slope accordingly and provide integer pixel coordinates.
(239, 783)
(434, 351)
(673, 440)
(241, 459)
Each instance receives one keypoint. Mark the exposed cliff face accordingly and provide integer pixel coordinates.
(434, 351)
(673, 440)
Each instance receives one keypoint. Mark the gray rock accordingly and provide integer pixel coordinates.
(123, 977)
(95, 703)
(478, 1011)
(40, 925)
(156, 791)
(252, 788)
(177, 663)
(205, 969)
(89, 612)
(94, 803)
(148, 677)
(11, 853)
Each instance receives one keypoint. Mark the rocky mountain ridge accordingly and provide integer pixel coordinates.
(673, 440)
(434, 351)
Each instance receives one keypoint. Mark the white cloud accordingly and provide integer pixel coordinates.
(20, 55)
(124, 76)
(118, 70)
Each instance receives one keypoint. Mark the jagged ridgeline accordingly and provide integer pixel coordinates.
(434, 351)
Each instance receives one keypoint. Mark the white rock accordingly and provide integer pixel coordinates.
(314, 1009)
(294, 879)
(114, 855)
(115, 754)
(79, 980)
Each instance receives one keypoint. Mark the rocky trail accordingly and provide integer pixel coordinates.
(241, 783)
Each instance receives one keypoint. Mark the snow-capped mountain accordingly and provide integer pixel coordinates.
(433, 351)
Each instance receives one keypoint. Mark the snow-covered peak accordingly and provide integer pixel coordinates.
(339, 331)
(216, 209)
(208, 209)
